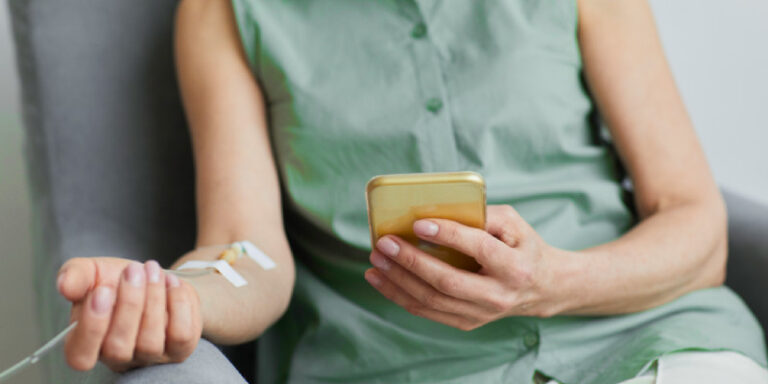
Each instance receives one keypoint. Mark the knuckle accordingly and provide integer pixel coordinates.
(487, 318)
(117, 350)
(132, 301)
(80, 362)
(507, 210)
(149, 354)
(468, 326)
(93, 331)
(177, 301)
(448, 284)
(409, 259)
(180, 335)
(499, 303)
(452, 234)
(544, 313)
(523, 275)
(414, 309)
(116, 367)
(508, 237)
(431, 299)
(495, 212)
(385, 288)
(149, 347)
(487, 245)
(188, 291)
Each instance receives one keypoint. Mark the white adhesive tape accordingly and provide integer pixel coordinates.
(257, 255)
(222, 266)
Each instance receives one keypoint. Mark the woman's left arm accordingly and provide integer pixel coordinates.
(680, 244)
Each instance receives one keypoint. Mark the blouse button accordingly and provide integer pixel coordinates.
(419, 30)
(434, 105)
(530, 340)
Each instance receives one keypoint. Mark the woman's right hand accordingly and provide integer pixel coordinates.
(129, 315)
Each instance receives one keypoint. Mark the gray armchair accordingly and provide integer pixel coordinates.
(109, 155)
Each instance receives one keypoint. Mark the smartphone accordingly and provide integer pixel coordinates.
(396, 201)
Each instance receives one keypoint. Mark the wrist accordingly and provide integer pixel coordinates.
(566, 270)
(207, 289)
(224, 309)
(197, 289)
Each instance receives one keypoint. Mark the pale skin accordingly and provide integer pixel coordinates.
(143, 316)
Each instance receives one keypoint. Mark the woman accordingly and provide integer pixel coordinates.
(318, 97)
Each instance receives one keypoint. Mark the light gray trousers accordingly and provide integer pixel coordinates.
(206, 365)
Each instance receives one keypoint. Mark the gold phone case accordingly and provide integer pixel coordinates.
(395, 202)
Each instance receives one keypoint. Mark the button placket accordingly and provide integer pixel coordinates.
(436, 127)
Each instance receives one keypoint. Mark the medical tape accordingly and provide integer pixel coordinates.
(222, 266)
(257, 255)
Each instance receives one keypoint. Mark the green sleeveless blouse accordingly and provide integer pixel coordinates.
(358, 88)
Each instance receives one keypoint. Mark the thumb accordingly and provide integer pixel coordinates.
(76, 277)
(503, 222)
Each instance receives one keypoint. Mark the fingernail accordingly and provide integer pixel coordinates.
(103, 299)
(153, 271)
(388, 247)
(380, 262)
(171, 280)
(425, 228)
(60, 280)
(373, 279)
(134, 274)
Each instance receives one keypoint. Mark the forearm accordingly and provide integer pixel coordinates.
(680, 244)
(237, 186)
(672, 252)
(233, 315)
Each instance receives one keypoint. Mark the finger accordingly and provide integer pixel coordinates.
(487, 250)
(150, 343)
(76, 278)
(503, 222)
(442, 276)
(77, 308)
(183, 332)
(394, 293)
(420, 290)
(83, 344)
(118, 346)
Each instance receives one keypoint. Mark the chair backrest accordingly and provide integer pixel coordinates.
(110, 161)
(748, 253)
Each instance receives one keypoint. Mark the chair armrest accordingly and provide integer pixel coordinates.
(748, 252)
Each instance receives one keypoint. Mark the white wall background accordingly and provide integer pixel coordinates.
(718, 51)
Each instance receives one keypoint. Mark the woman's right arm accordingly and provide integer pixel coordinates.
(127, 316)
(238, 192)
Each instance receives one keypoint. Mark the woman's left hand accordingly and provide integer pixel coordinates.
(517, 276)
